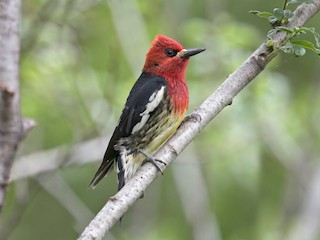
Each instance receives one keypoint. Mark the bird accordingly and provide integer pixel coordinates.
(154, 109)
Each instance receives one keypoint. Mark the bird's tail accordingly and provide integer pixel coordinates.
(105, 167)
(120, 172)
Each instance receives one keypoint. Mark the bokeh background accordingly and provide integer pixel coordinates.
(253, 173)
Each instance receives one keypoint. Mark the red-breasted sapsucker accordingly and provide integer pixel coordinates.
(156, 106)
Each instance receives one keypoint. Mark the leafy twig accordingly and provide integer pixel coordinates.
(278, 18)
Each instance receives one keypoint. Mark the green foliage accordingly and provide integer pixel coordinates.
(280, 17)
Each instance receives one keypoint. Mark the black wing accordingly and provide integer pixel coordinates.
(136, 103)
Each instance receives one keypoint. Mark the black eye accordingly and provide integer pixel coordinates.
(170, 52)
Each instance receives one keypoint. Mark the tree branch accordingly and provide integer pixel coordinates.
(50, 160)
(11, 127)
(193, 124)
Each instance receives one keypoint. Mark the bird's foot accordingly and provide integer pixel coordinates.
(152, 160)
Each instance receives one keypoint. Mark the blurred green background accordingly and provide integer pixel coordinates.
(253, 173)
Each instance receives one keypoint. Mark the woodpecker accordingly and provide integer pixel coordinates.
(154, 109)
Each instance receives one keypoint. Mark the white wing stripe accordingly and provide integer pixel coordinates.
(154, 101)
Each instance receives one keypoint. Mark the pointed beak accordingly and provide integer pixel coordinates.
(186, 53)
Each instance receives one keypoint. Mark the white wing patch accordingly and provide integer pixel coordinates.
(154, 101)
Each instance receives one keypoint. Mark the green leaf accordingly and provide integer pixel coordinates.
(271, 32)
(298, 51)
(269, 43)
(272, 19)
(288, 30)
(300, 30)
(278, 13)
(316, 35)
(287, 48)
(261, 14)
(287, 13)
(303, 43)
(307, 45)
(311, 30)
(300, 1)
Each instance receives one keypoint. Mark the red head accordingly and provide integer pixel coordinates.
(168, 58)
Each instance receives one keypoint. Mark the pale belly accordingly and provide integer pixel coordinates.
(161, 132)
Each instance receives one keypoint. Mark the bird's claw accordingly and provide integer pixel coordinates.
(160, 161)
(152, 160)
(154, 163)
